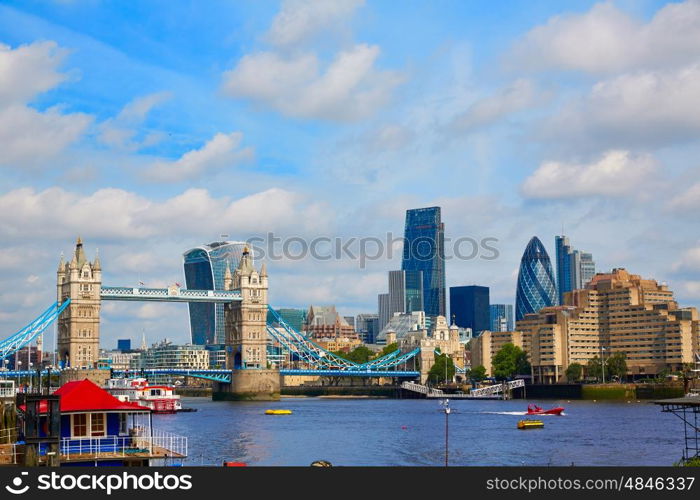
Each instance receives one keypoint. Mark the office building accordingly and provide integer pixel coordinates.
(366, 326)
(536, 288)
(205, 267)
(484, 347)
(501, 317)
(383, 309)
(574, 268)
(617, 312)
(324, 322)
(424, 250)
(402, 323)
(167, 355)
(296, 318)
(123, 345)
(469, 307)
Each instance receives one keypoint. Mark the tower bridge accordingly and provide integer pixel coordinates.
(249, 373)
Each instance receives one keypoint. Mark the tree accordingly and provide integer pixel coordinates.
(477, 373)
(388, 349)
(443, 369)
(510, 360)
(616, 365)
(361, 354)
(593, 368)
(574, 372)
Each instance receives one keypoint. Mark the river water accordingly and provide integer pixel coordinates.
(412, 432)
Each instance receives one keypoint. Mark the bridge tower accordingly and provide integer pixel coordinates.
(79, 325)
(246, 336)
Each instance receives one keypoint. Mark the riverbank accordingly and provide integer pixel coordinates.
(607, 392)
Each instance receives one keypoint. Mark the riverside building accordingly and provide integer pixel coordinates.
(617, 312)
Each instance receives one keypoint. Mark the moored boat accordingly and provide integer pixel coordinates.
(159, 398)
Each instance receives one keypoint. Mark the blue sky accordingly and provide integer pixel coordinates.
(151, 127)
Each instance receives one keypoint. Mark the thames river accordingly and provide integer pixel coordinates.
(356, 432)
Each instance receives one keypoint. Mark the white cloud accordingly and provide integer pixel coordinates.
(689, 261)
(687, 200)
(607, 39)
(641, 109)
(121, 131)
(299, 20)
(616, 173)
(114, 214)
(519, 95)
(221, 151)
(30, 137)
(349, 88)
(29, 70)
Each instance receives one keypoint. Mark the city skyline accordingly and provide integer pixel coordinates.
(487, 113)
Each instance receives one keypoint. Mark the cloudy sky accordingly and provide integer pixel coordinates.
(151, 127)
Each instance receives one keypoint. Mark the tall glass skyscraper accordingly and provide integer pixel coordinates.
(574, 268)
(205, 267)
(501, 317)
(424, 250)
(536, 288)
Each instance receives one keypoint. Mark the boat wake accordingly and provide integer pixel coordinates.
(518, 413)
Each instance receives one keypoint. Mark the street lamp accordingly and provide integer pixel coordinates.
(445, 403)
(602, 361)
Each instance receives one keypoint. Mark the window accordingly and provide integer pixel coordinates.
(123, 424)
(80, 425)
(97, 424)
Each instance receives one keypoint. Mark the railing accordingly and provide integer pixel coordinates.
(422, 389)
(168, 294)
(8, 454)
(492, 390)
(7, 390)
(160, 444)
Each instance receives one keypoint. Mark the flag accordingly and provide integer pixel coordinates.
(177, 284)
(141, 283)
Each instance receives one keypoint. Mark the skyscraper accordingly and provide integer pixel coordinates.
(469, 307)
(424, 250)
(383, 309)
(501, 317)
(574, 268)
(405, 291)
(536, 288)
(205, 267)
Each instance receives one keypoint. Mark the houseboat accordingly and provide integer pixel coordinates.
(159, 398)
(98, 429)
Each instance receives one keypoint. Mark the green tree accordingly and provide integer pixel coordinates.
(361, 354)
(388, 349)
(593, 368)
(574, 372)
(443, 369)
(509, 361)
(616, 365)
(477, 373)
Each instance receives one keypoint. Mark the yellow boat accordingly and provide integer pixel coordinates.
(530, 424)
(278, 412)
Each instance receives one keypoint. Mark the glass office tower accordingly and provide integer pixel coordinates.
(424, 250)
(536, 288)
(574, 268)
(501, 317)
(469, 307)
(205, 267)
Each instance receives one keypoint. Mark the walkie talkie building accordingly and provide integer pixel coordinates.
(205, 267)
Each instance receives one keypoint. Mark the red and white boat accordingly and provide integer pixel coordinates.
(536, 410)
(159, 398)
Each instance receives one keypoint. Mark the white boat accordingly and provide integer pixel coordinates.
(159, 398)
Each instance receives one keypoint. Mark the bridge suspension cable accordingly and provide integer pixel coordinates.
(15, 342)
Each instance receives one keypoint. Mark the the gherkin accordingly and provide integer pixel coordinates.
(536, 285)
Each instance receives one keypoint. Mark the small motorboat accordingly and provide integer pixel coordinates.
(278, 412)
(536, 410)
(530, 424)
